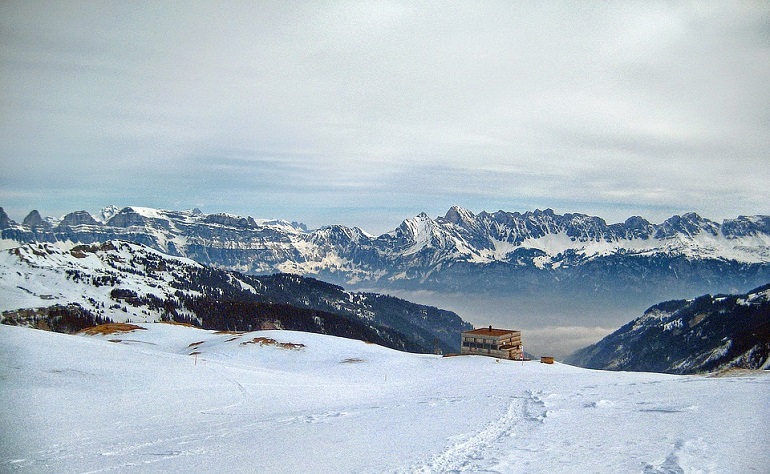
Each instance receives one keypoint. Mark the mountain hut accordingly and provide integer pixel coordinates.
(493, 342)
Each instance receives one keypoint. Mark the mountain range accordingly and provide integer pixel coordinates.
(488, 252)
(526, 271)
(66, 288)
(705, 334)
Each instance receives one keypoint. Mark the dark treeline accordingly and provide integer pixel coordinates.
(251, 316)
(67, 319)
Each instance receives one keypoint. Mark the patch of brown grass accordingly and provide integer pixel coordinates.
(235, 333)
(268, 341)
(352, 360)
(110, 328)
(176, 323)
(195, 344)
(736, 372)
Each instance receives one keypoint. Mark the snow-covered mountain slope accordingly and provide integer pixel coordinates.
(709, 333)
(36, 275)
(176, 399)
(123, 281)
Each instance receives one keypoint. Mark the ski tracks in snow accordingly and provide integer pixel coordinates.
(470, 453)
(686, 456)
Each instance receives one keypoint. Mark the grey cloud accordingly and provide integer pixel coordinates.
(561, 341)
(597, 107)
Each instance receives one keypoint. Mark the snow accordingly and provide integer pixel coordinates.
(422, 229)
(107, 213)
(749, 249)
(673, 325)
(145, 404)
(282, 225)
(35, 276)
(754, 298)
(149, 212)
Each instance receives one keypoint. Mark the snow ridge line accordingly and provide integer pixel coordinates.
(458, 456)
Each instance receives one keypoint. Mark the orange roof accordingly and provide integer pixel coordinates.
(490, 332)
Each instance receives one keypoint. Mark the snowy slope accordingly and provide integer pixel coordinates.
(176, 399)
(705, 334)
(123, 281)
(37, 275)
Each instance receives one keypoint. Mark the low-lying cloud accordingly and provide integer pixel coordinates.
(561, 341)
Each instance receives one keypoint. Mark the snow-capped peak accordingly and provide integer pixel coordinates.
(460, 216)
(108, 212)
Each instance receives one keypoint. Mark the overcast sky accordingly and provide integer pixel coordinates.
(366, 113)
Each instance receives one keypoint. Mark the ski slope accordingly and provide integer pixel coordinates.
(169, 398)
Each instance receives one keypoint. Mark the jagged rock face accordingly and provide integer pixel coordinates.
(638, 228)
(33, 220)
(231, 221)
(746, 226)
(689, 225)
(5, 221)
(709, 333)
(538, 251)
(78, 218)
(127, 217)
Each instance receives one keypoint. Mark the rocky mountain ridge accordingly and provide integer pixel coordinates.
(705, 334)
(460, 251)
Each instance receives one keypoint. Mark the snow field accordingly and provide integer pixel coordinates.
(34, 280)
(144, 404)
